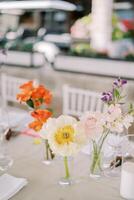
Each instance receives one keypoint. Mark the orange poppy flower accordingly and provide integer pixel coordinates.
(41, 115)
(36, 125)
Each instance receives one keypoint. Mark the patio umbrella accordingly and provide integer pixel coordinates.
(43, 5)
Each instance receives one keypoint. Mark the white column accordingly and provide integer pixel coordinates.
(101, 28)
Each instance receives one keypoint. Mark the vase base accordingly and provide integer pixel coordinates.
(46, 162)
(65, 182)
(95, 176)
(113, 173)
(5, 163)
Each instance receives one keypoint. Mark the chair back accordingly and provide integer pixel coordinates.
(10, 88)
(77, 101)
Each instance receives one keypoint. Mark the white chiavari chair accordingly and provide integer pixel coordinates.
(76, 101)
(10, 88)
(11, 111)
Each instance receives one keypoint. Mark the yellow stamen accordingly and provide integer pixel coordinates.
(64, 135)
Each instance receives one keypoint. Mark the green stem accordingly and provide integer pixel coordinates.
(47, 152)
(51, 153)
(97, 154)
(103, 140)
(66, 167)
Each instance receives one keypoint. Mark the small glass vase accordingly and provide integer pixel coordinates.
(114, 148)
(5, 159)
(48, 155)
(66, 179)
(96, 164)
(96, 169)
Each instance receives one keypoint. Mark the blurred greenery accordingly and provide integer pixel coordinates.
(119, 33)
(84, 49)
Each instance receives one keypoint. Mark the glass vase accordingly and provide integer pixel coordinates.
(5, 159)
(96, 161)
(66, 178)
(114, 158)
(96, 164)
(48, 155)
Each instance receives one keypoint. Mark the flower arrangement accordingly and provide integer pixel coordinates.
(36, 97)
(65, 137)
(98, 125)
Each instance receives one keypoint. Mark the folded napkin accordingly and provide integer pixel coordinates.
(10, 185)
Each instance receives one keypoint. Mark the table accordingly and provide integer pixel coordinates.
(43, 179)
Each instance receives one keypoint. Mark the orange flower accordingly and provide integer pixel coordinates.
(34, 97)
(38, 95)
(43, 94)
(48, 98)
(27, 86)
(37, 103)
(23, 97)
(41, 115)
(38, 92)
(36, 125)
(26, 91)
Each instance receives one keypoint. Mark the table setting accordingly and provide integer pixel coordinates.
(65, 158)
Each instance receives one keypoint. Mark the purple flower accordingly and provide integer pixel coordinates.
(107, 97)
(119, 82)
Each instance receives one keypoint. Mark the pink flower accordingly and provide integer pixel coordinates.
(93, 124)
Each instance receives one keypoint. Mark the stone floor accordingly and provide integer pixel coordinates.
(55, 80)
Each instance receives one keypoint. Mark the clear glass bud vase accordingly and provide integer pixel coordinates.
(48, 155)
(96, 164)
(5, 159)
(66, 171)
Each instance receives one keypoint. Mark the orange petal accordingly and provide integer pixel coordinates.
(22, 97)
(27, 86)
(36, 125)
(41, 115)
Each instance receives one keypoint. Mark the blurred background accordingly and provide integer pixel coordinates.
(84, 43)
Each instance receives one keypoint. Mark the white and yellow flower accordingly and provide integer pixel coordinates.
(65, 135)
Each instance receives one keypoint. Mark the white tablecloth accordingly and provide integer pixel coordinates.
(43, 179)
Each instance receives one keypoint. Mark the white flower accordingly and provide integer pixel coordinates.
(116, 121)
(65, 135)
(116, 126)
(114, 112)
(127, 121)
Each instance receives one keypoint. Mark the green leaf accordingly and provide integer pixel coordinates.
(131, 109)
(41, 100)
(116, 93)
(131, 106)
(30, 103)
(50, 109)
